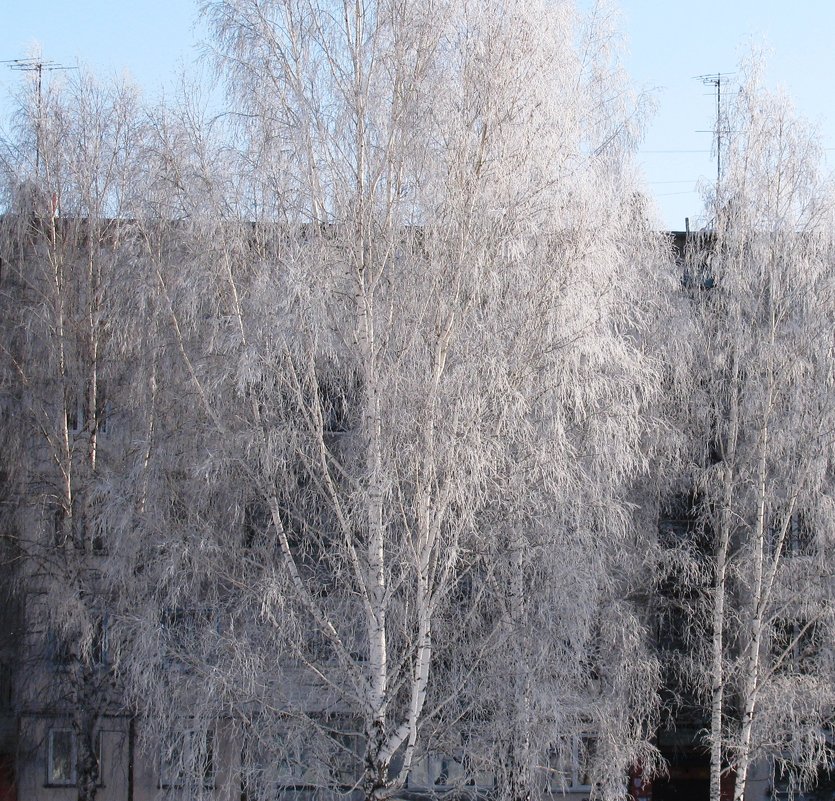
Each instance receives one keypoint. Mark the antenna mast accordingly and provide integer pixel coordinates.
(716, 80)
(37, 65)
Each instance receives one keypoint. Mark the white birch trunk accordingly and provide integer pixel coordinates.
(717, 755)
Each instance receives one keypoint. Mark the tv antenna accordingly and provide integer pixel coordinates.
(39, 66)
(716, 80)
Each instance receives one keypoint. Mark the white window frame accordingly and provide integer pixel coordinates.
(567, 769)
(579, 770)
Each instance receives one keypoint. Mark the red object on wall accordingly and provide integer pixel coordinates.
(727, 785)
(8, 791)
(639, 788)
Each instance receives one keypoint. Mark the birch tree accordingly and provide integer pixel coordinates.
(424, 344)
(764, 398)
(70, 295)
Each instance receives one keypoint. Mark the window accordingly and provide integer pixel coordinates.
(585, 752)
(81, 528)
(788, 782)
(104, 412)
(697, 260)
(98, 542)
(266, 774)
(74, 406)
(296, 765)
(76, 410)
(188, 758)
(337, 392)
(60, 532)
(333, 403)
(63, 648)
(62, 757)
(177, 491)
(799, 537)
(443, 770)
(58, 650)
(182, 627)
(795, 646)
(257, 523)
(440, 770)
(672, 625)
(189, 635)
(99, 644)
(316, 755)
(5, 687)
(345, 758)
(571, 764)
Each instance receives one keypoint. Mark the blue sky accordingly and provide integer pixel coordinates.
(667, 45)
(147, 39)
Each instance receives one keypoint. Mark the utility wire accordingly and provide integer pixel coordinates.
(37, 65)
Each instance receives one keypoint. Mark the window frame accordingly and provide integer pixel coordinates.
(442, 771)
(72, 780)
(51, 779)
(799, 539)
(568, 769)
(182, 757)
(293, 770)
(796, 645)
